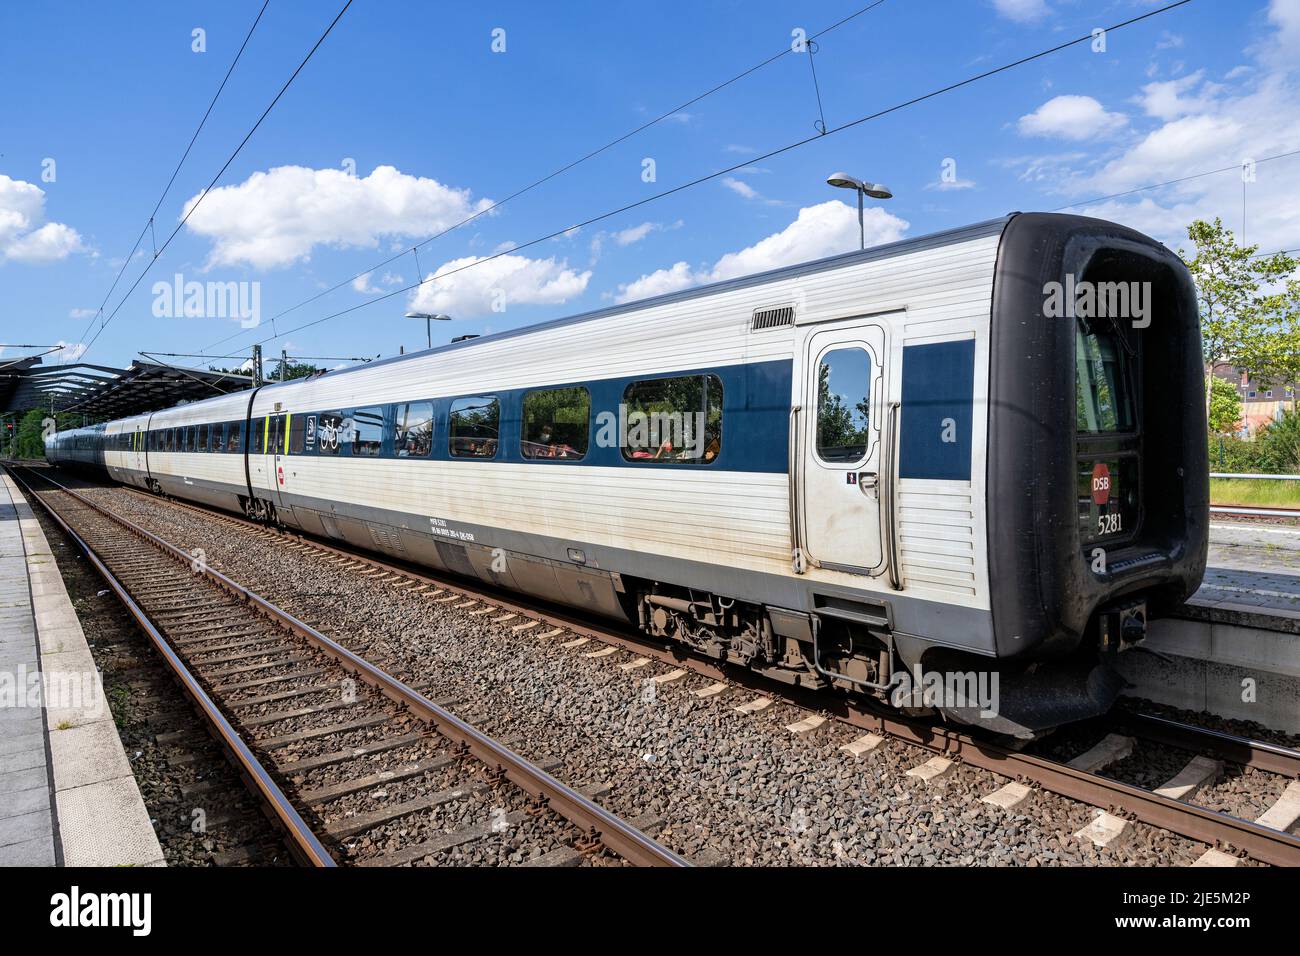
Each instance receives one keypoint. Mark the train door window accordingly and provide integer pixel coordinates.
(297, 433)
(474, 427)
(368, 437)
(273, 446)
(555, 423)
(1102, 399)
(673, 420)
(257, 436)
(235, 437)
(329, 433)
(413, 430)
(843, 405)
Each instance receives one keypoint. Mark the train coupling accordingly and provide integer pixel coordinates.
(1122, 626)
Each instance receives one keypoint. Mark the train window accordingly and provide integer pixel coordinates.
(329, 434)
(555, 423)
(235, 436)
(171, 439)
(1102, 399)
(273, 425)
(843, 405)
(297, 432)
(474, 427)
(257, 436)
(201, 442)
(673, 420)
(368, 437)
(413, 430)
(217, 440)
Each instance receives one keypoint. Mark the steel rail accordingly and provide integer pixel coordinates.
(616, 834)
(1187, 820)
(1255, 512)
(303, 841)
(1245, 751)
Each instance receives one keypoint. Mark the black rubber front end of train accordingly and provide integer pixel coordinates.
(1028, 705)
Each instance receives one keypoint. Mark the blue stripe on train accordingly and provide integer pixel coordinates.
(938, 395)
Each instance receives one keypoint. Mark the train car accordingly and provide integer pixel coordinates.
(78, 449)
(971, 461)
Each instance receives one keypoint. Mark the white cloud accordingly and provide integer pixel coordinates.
(1284, 49)
(946, 185)
(24, 236)
(660, 282)
(505, 281)
(625, 237)
(81, 313)
(1202, 127)
(1071, 117)
(1169, 100)
(1022, 11)
(823, 230)
(279, 217)
(71, 352)
(362, 284)
(740, 187)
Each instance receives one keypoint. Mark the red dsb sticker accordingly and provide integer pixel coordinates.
(1100, 483)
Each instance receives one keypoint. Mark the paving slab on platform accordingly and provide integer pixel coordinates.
(70, 797)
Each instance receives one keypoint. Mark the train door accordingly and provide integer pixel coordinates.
(277, 455)
(840, 448)
(258, 478)
(138, 465)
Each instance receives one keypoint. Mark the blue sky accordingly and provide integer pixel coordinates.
(438, 125)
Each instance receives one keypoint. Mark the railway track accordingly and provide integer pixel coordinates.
(355, 766)
(1273, 515)
(1180, 816)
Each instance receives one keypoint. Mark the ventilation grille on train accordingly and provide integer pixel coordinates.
(772, 318)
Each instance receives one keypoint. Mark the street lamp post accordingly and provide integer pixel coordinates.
(429, 319)
(874, 190)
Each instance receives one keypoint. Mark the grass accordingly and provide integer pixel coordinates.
(1255, 493)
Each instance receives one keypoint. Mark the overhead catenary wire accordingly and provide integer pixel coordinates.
(730, 169)
(415, 249)
(1173, 182)
(207, 189)
(149, 225)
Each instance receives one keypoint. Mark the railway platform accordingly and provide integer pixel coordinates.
(1234, 650)
(67, 792)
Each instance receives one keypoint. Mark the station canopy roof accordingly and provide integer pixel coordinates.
(100, 391)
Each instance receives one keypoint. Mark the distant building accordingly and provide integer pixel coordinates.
(1261, 403)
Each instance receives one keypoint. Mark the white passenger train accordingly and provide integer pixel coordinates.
(834, 473)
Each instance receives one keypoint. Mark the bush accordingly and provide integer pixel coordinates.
(1275, 450)
(1235, 455)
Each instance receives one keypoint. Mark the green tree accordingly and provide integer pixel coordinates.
(29, 439)
(1225, 406)
(291, 371)
(1249, 306)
